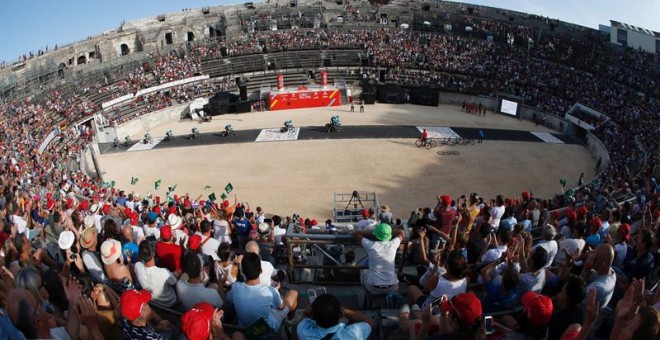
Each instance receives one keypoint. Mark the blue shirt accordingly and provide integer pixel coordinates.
(243, 226)
(254, 302)
(128, 248)
(309, 330)
(495, 300)
(593, 240)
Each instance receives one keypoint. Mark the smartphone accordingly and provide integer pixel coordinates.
(436, 302)
(488, 323)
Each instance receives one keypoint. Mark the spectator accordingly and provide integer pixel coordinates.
(599, 274)
(367, 222)
(385, 215)
(115, 269)
(621, 247)
(254, 301)
(499, 244)
(92, 258)
(267, 269)
(209, 245)
(225, 266)
(444, 214)
(138, 320)
(324, 321)
(496, 212)
(548, 243)
(167, 252)
(571, 245)
(461, 318)
(381, 275)
(151, 229)
(243, 228)
(190, 288)
(532, 279)
(567, 309)
(501, 280)
(128, 247)
(640, 266)
(159, 281)
(534, 320)
(449, 284)
(203, 322)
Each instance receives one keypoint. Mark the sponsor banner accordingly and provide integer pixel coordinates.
(139, 146)
(117, 100)
(324, 78)
(275, 135)
(548, 138)
(437, 132)
(303, 99)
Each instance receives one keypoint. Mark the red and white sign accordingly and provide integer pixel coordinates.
(324, 78)
(303, 99)
(280, 82)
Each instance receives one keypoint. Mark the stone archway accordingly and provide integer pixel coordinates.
(82, 60)
(124, 49)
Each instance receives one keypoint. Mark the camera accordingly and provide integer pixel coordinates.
(72, 256)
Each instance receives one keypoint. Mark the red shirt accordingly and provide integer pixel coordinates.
(169, 255)
(425, 135)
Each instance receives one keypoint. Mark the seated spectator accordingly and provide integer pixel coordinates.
(253, 300)
(449, 284)
(209, 245)
(501, 280)
(113, 264)
(533, 322)
(190, 288)
(508, 219)
(499, 246)
(532, 277)
(367, 222)
(479, 239)
(179, 236)
(621, 247)
(159, 281)
(641, 265)
(128, 247)
(324, 321)
(572, 244)
(461, 318)
(548, 243)
(567, 308)
(381, 275)
(151, 228)
(168, 253)
(225, 266)
(267, 269)
(203, 322)
(138, 320)
(91, 257)
(599, 274)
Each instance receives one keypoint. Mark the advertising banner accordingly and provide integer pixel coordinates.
(280, 82)
(302, 99)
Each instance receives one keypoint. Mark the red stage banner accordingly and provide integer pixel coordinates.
(280, 82)
(324, 78)
(303, 99)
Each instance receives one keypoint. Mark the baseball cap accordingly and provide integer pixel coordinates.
(84, 205)
(132, 303)
(194, 242)
(383, 232)
(50, 204)
(365, 213)
(152, 217)
(106, 209)
(166, 232)
(466, 306)
(624, 229)
(539, 308)
(445, 199)
(110, 251)
(196, 323)
(66, 239)
(88, 237)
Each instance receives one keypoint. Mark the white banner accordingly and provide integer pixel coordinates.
(437, 132)
(117, 100)
(140, 146)
(47, 141)
(171, 84)
(274, 135)
(548, 138)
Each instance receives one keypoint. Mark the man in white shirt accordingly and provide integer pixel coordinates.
(499, 244)
(571, 245)
(367, 222)
(159, 281)
(221, 230)
(548, 243)
(267, 269)
(381, 275)
(209, 244)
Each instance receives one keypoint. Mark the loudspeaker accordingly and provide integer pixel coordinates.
(243, 90)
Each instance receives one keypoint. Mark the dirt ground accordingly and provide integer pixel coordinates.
(302, 176)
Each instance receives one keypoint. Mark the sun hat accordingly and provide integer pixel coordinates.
(196, 323)
(110, 251)
(94, 208)
(174, 221)
(66, 239)
(132, 303)
(539, 308)
(264, 228)
(89, 221)
(384, 207)
(88, 237)
(383, 232)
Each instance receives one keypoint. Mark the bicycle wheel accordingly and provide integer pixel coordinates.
(450, 142)
(456, 153)
(418, 143)
(428, 145)
(433, 143)
(472, 141)
(441, 153)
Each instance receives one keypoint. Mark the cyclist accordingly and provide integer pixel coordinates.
(229, 128)
(288, 124)
(425, 136)
(335, 120)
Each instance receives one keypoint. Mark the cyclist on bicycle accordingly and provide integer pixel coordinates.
(335, 120)
(229, 128)
(425, 136)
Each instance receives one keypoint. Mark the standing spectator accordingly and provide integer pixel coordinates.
(169, 253)
(381, 275)
(242, 226)
(385, 215)
(621, 247)
(159, 281)
(444, 214)
(496, 212)
(138, 320)
(324, 321)
(209, 245)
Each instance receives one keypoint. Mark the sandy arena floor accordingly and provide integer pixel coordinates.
(302, 176)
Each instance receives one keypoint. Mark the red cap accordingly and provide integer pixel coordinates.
(624, 229)
(526, 195)
(49, 195)
(166, 232)
(194, 242)
(106, 209)
(196, 323)
(596, 222)
(656, 214)
(225, 204)
(365, 213)
(132, 302)
(314, 222)
(582, 210)
(128, 211)
(134, 221)
(51, 204)
(466, 306)
(157, 209)
(172, 210)
(539, 308)
(187, 204)
(202, 203)
(571, 215)
(69, 203)
(84, 205)
(445, 199)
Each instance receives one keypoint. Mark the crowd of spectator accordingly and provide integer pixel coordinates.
(83, 260)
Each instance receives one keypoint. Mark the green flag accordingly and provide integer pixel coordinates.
(229, 188)
(207, 187)
(570, 193)
(170, 199)
(212, 197)
(563, 182)
(581, 180)
(157, 184)
(170, 189)
(134, 180)
(112, 184)
(223, 196)
(531, 193)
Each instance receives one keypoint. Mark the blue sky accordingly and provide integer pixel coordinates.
(28, 25)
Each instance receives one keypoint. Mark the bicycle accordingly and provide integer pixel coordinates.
(430, 143)
(447, 141)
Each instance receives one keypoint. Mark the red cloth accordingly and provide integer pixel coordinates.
(169, 255)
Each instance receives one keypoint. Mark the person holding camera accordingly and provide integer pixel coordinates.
(381, 275)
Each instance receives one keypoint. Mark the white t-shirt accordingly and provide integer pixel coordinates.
(226, 272)
(151, 231)
(366, 224)
(446, 287)
(138, 233)
(97, 222)
(492, 255)
(221, 231)
(210, 246)
(549, 246)
(192, 294)
(159, 281)
(496, 214)
(93, 266)
(278, 233)
(267, 271)
(21, 224)
(570, 244)
(381, 254)
(604, 286)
